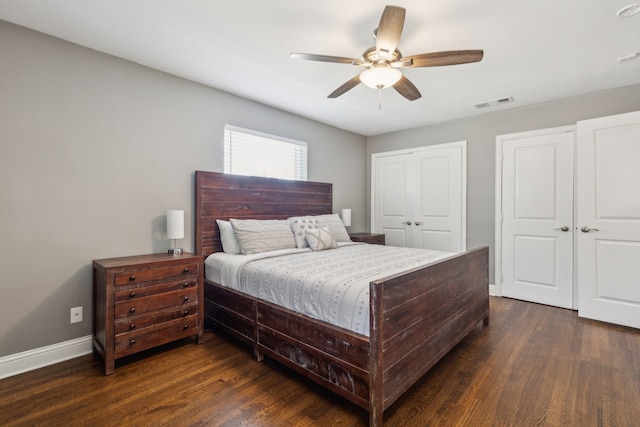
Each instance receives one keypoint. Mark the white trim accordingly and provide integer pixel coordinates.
(497, 271)
(259, 134)
(30, 360)
(492, 289)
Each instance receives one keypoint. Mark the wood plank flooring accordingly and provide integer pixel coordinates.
(533, 366)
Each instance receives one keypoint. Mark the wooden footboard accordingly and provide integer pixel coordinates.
(416, 318)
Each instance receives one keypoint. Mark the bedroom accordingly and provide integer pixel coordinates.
(95, 148)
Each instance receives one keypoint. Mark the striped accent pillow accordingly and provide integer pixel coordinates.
(262, 235)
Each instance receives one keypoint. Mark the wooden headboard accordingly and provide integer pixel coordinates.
(223, 196)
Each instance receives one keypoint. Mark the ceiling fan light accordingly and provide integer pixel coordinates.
(629, 10)
(380, 77)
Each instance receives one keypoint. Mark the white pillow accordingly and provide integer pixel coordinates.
(334, 224)
(299, 225)
(228, 239)
(262, 235)
(320, 239)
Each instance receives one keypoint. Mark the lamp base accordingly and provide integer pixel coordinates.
(175, 251)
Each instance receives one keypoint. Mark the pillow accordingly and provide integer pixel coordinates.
(228, 239)
(334, 224)
(320, 239)
(299, 225)
(256, 235)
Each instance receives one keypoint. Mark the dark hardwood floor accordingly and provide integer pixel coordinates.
(533, 366)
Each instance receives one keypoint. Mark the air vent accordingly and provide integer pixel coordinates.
(495, 102)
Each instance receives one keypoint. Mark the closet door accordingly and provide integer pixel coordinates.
(608, 219)
(537, 216)
(438, 202)
(391, 199)
(419, 197)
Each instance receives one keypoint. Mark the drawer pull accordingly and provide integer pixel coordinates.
(133, 310)
(185, 312)
(132, 294)
(186, 326)
(132, 278)
(185, 285)
(132, 326)
(132, 342)
(186, 298)
(186, 269)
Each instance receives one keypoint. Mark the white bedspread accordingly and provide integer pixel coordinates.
(330, 285)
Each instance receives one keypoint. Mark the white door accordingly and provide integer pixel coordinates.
(437, 218)
(392, 192)
(608, 219)
(537, 216)
(419, 197)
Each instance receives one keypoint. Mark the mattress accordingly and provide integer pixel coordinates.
(330, 285)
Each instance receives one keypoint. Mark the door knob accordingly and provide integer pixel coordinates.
(418, 223)
(586, 229)
(407, 223)
(565, 228)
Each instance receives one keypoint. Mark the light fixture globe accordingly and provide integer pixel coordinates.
(380, 76)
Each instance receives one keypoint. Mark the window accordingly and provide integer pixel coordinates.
(247, 152)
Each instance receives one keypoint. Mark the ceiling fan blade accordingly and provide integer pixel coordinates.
(389, 29)
(326, 58)
(407, 89)
(448, 57)
(345, 87)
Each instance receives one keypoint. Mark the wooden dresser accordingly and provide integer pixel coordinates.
(372, 238)
(143, 301)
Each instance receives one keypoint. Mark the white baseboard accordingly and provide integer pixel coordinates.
(492, 289)
(29, 360)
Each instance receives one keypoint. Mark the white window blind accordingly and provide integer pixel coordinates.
(248, 152)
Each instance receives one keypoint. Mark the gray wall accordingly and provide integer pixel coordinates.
(94, 151)
(480, 133)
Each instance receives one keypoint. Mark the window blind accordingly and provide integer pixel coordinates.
(248, 152)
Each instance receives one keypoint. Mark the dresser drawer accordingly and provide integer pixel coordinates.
(132, 342)
(157, 273)
(137, 323)
(155, 302)
(129, 293)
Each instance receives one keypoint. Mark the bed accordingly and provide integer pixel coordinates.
(415, 317)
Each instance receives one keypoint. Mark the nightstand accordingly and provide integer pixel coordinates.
(372, 238)
(143, 301)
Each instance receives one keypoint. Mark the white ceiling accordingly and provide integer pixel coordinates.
(534, 51)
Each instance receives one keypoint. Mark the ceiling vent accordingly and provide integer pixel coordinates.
(495, 102)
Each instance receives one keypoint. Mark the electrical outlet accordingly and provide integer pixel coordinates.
(76, 314)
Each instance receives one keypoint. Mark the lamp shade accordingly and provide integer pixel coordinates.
(175, 224)
(380, 76)
(346, 217)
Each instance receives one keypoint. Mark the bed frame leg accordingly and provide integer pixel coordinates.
(486, 319)
(376, 418)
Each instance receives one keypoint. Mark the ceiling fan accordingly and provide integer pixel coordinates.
(383, 61)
